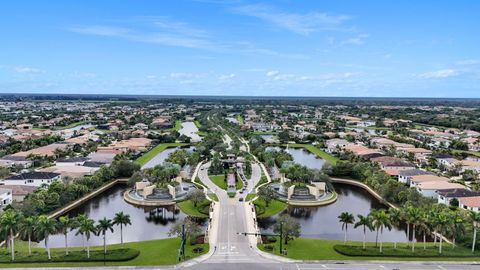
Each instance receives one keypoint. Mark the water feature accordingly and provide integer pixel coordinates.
(322, 222)
(147, 222)
(162, 156)
(302, 156)
(189, 129)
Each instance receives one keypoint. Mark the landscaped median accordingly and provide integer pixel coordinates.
(153, 252)
(202, 209)
(154, 151)
(314, 150)
(322, 249)
(274, 207)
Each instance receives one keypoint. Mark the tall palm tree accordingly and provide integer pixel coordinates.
(103, 226)
(395, 219)
(122, 220)
(346, 218)
(433, 222)
(64, 225)
(381, 220)
(414, 215)
(366, 223)
(79, 220)
(86, 228)
(46, 227)
(9, 222)
(27, 229)
(457, 226)
(475, 218)
(425, 228)
(442, 221)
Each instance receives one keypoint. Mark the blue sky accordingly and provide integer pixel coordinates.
(427, 48)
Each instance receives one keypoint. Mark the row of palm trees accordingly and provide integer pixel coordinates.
(14, 224)
(433, 222)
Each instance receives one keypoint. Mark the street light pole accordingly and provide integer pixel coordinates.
(281, 236)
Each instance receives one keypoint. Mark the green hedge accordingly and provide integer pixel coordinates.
(405, 251)
(73, 256)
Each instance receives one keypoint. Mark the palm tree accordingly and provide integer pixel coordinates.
(27, 229)
(346, 218)
(395, 219)
(456, 226)
(9, 220)
(381, 220)
(122, 220)
(475, 218)
(64, 225)
(415, 216)
(46, 227)
(425, 228)
(103, 226)
(442, 221)
(79, 220)
(86, 228)
(366, 222)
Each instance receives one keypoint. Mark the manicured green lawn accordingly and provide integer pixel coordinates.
(153, 252)
(219, 180)
(72, 125)
(239, 183)
(265, 132)
(154, 151)
(213, 196)
(197, 123)
(314, 150)
(321, 249)
(200, 211)
(473, 153)
(250, 196)
(240, 119)
(274, 207)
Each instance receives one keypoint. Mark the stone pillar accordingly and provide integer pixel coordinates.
(171, 190)
(290, 191)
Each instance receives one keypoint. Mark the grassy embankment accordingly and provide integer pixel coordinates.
(219, 180)
(321, 249)
(201, 210)
(273, 208)
(154, 151)
(314, 150)
(152, 252)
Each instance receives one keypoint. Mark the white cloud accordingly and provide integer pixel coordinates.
(227, 77)
(29, 70)
(443, 73)
(272, 73)
(468, 62)
(303, 24)
(358, 40)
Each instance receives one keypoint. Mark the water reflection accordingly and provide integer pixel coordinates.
(322, 222)
(302, 156)
(147, 222)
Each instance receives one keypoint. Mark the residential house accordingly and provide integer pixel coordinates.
(470, 203)
(406, 175)
(446, 195)
(35, 179)
(5, 197)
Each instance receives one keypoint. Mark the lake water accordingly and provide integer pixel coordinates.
(322, 221)
(162, 156)
(147, 222)
(302, 156)
(189, 129)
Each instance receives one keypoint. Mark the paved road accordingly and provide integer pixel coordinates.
(230, 247)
